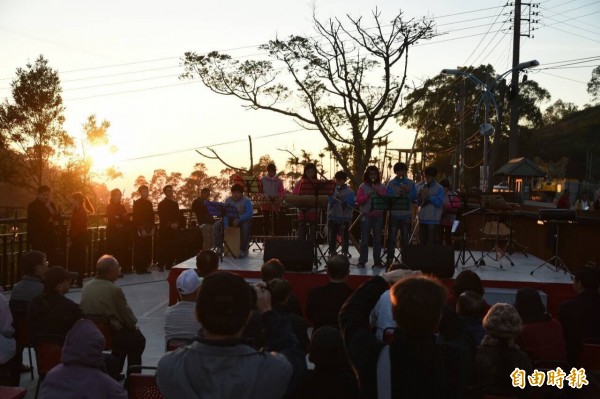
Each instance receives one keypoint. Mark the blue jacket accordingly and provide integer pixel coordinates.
(431, 207)
(244, 208)
(340, 204)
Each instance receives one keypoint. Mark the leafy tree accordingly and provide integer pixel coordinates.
(194, 183)
(33, 122)
(96, 136)
(593, 86)
(346, 82)
(558, 111)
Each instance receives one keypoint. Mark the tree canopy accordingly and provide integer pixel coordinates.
(346, 82)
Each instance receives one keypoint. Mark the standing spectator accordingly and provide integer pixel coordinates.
(143, 222)
(498, 354)
(323, 304)
(564, 202)
(78, 234)
(204, 220)
(579, 316)
(272, 191)
(370, 220)
(82, 372)
(406, 367)
(207, 261)
(339, 214)
(403, 187)
(117, 222)
(244, 208)
(231, 368)
(10, 361)
(52, 312)
(43, 219)
(102, 296)
(180, 319)
(430, 199)
(168, 214)
(542, 335)
(307, 216)
(33, 264)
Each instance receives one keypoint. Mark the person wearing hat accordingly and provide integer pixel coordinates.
(230, 367)
(498, 354)
(180, 319)
(52, 312)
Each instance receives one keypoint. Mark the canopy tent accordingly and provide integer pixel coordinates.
(520, 167)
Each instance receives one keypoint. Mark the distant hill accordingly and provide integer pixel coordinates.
(577, 136)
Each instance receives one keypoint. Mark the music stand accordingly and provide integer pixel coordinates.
(252, 185)
(560, 217)
(316, 188)
(389, 203)
(222, 210)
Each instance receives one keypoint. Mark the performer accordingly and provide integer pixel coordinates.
(243, 205)
(204, 220)
(400, 219)
(339, 213)
(449, 209)
(272, 187)
(143, 222)
(43, 219)
(117, 238)
(430, 198)
(78, 234)
(307, 217)
(168, 215)
(370, 220)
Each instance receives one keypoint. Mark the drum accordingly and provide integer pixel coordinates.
(232, 237)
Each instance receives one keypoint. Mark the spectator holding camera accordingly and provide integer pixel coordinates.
(230, 367)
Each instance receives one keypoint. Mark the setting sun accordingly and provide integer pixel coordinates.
(102, 157)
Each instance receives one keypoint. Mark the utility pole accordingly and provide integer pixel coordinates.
(513, 138)
(498, 131)
(461, 162)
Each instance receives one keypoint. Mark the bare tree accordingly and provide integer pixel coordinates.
(346, 82)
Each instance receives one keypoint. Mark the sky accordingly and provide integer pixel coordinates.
(120, 60)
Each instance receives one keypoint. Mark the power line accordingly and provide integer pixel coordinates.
(562, 77)
(484, 36)
(574, 34)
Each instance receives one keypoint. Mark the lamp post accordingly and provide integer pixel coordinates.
(487, 97)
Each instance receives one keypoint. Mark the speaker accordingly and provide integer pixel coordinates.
(296, 255)
(430, 259)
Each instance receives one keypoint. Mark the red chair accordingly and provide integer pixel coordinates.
(589, 357)
(176, 343)
(22, 334)
(48, 353)
(142, 386)
(103, 324)
(12, 392)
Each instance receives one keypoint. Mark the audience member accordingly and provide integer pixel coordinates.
(82, 373)
(143, 223)
(469, 307)
(323, 304)
(243, 206)
(204, 220)
(168, 215)
(42, 221)
(273, 268)
(78, 234)
(413, 356)
(10, 363)
(579, 316)
(102, 296)
(231, 368)
(381, 317)
(467, 280)
(498, 355)
(33, 265)
(542, 335)
(52, 312)
(207, 261)
(180, 319)
(332, 376)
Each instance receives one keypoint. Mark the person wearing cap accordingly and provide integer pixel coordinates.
(180, 319)
(82, 372)
(244, 208)
(498, 354)
(52, 312)
(101, 296)
(430, 199)
(230, 367)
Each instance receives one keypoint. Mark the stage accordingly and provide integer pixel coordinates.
(500, 279)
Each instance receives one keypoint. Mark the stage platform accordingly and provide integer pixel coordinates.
(500, 279)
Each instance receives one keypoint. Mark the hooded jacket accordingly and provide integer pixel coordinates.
(81, 374)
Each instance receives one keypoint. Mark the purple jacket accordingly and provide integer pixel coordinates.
(81, 373)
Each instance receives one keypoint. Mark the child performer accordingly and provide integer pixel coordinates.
(339, 213)
(273, 191)
(403, 187)
(307, 216)
(370, 220)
